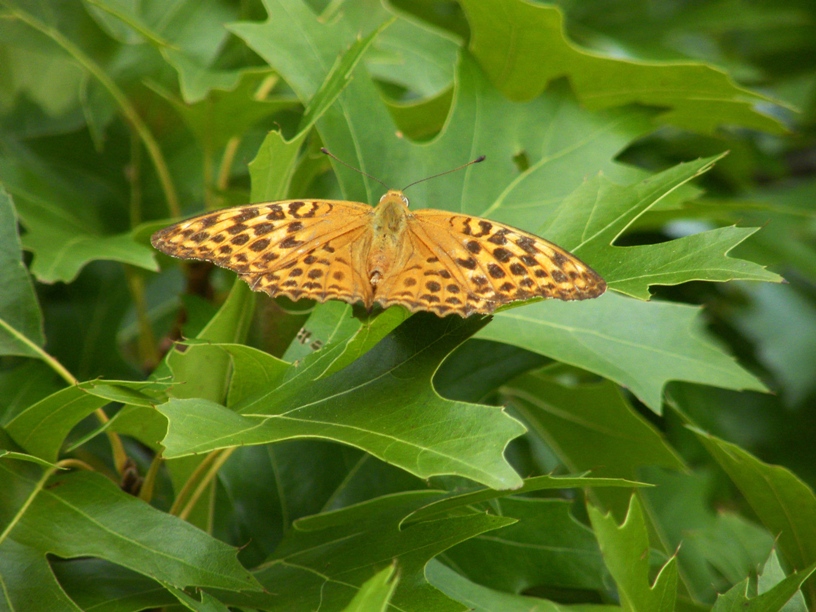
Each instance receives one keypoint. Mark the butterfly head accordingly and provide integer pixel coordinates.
(394, 196)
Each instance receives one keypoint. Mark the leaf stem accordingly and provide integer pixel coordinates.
(40, 353)
(148, 349)
(216, 465)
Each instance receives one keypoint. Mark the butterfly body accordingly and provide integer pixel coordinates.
(434, 260)
(389, 224)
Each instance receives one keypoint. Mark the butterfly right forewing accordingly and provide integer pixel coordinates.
(462, 264)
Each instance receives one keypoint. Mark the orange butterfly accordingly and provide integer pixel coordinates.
(427, 259)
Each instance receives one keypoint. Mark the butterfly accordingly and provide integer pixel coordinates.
(442, 262)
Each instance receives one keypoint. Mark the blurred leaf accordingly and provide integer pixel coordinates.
(525, 48)
(190, 36)
(231, 110)
(383, 403)
(715, 548)
(784, 504)
(640, 345)
(21, 326)
(786, 345)
(625, 551)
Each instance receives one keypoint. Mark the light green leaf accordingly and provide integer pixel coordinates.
(274, 165)
(383, 403)
(593, 217)
(376, 592)
(202, 369)
(625, 551)
(771, 576)
(772, 597)
(41, 428)
(640, 345)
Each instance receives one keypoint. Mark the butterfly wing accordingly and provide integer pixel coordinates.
(465, 265)
(298, 248)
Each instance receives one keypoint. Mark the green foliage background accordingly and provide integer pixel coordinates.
(648, 450)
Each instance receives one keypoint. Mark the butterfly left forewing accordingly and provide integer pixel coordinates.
(298, 248)
(487, 263)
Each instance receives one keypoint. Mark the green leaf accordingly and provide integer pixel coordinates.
(63, 244)
(784, 504)
(332, 323)
(325, 560)
(375, 593)
(453, 501)
(274, 165)
(383, 403)
(625, 551)
(547, 547)
(83, 514)
(593, 217)
(4, 454)
(591, 427)
(28, 582)
(21, 325)
(482, 599)
(203, 369)
(562, 142)
(715, 548)
(522, 46)
(639, 345)
(231, 110)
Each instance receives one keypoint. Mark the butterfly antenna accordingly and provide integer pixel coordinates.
(325, 151)
(478, 160)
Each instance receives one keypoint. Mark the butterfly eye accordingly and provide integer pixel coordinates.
(404, 200)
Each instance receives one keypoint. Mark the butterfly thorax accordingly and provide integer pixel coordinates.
(389, 225)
